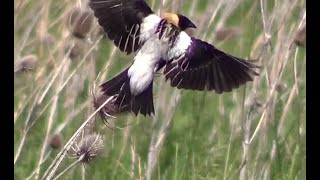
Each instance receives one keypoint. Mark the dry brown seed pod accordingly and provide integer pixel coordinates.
(110, 109)
(26, 63)
(280, 87)
(47, 40)
(75, 51)
(56, 141)
(80, 22)
(300, 38)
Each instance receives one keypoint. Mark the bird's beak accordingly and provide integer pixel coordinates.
(185, 23)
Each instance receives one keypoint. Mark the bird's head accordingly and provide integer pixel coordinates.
(179, 20)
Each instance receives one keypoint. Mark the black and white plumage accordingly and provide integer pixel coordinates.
(126, 23)
(133, 86)
(188, 62)
(121, 21)
(201, 66)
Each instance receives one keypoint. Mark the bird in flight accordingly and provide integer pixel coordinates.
(161, 43)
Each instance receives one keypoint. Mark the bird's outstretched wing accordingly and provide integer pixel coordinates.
(124, 21)
(201, 66)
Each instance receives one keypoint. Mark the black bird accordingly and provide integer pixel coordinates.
(158, 42)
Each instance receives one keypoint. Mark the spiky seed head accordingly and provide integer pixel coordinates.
(73, 16)
(75, 50)
(80, 21)
(110, 108)
(26, 63)
(56, 141)
(89, 147)
(300, 38)
(280, 87)
(47, 39)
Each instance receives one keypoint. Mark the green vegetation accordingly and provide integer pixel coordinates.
(255, 132)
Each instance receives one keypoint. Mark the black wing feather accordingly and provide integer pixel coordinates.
(120, 86)
(206, 67)
(120, 19)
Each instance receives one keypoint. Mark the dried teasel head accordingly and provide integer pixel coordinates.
(88, 148)
(300, 38)
(280, 87)
(110, 109)
(26, 63)
(80, 22)
(47, 39)
(75, 49)
(56, 141)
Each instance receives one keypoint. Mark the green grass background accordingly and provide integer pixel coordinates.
(206, 133)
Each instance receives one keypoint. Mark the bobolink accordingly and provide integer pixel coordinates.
(159, 42)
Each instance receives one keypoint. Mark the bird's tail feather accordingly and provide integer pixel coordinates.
(143, 102)
(119, 86)
(113, 86)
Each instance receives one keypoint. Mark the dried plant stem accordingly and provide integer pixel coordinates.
(108, 64)
(228, 151)
(28, 32)
(36, 170)
(125, 140)
(83, 173)
(133, 160)
(71, 117)
(67, 169)
(246, 128)
(152, 4)
(26, 129)
(175, 5)
(272, 92)
(58, 71)
(230, 7)
(20, 110)
(44, 145)
(18, 152)
(56, 162)
(246, 146)
(158, 138)
(267, 35)
(214, 14)
(192, 9)
(293, 94)
(50, 122)
(70, 76)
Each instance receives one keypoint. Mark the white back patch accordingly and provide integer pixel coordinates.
(149, 26)
(181, 45)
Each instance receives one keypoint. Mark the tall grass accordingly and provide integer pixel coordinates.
(254, 132)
